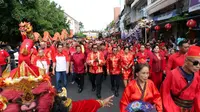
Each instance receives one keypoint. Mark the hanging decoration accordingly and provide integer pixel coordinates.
(168, 26)
(191, 23)
(157, 28)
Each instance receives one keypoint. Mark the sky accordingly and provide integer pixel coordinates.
(94, 14)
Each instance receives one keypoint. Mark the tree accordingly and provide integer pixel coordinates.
(43, 15)
(81, 26)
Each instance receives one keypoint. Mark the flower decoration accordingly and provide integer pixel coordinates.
(140, 106)
(3, 103)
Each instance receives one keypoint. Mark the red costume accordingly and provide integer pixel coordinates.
(175, 60)
(85, 106)
(133, 93)
(127, 61)
(142, 57)
(95, 67)
(157, 66)
(173, 88)
(180, 89)
(113, 64)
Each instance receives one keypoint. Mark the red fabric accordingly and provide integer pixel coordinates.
(156, 77)
(133, 93)
(127, 60)
(14, 107)
(12, 95)
(148, 51)
(60, 55)
(48, 52)
(72, 50)
(3, 56)
(175, 60)
(113, 64)
(173, 84)
(38, 58)
(193, 51)
(78, 60)
(157, 65)
(142, 57)
(95, 67)
(85, 106)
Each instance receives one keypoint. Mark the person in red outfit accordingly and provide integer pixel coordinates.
(42, 61)
(4, 60)
(157, 66)
(127, 62)
(142, 56)
(181, 86)
(141, 89)
(96, 60)
(78, 61)
(114, 70)
(148, 49)
(178, 58)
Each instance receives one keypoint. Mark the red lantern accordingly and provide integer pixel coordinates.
(157, 28)
(168, 26)
(191, 23)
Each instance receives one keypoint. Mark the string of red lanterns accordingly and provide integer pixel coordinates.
(190, 23)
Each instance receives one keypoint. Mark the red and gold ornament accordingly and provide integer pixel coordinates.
(191, 23)
(157, 28)
(168, 26)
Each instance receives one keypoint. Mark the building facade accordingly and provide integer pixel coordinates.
(161, 12)
(74, 24)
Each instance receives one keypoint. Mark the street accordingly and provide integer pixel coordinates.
(88, 94)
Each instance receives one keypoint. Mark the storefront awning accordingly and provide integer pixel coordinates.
(165, 16)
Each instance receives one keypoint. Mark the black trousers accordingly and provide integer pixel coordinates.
(115, 80)
(96, 80)
(104, 71)
(79, 79)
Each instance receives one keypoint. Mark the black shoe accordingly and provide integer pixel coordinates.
(98, 96)
(80, 90)
(116, 93)
(93, 89)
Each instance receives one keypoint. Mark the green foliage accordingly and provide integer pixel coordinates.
(80, 34)
(81, 26)
(43, 15)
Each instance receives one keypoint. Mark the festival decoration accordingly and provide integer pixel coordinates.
(46, 36)
(191, 23)
(140, 106)
(26, 31)
(168, 26)
(157, 28)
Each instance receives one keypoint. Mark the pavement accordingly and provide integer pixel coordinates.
(72, 90)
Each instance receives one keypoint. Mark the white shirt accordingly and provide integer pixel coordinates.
(61, 64)
(42, 65)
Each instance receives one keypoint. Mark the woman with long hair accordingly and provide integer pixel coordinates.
(157, 66)
(141, 93)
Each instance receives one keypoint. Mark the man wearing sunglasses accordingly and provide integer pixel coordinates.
(180, 90)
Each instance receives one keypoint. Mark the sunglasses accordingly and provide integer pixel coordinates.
(195, 63)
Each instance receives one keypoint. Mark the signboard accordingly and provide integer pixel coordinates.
(194, 5)
(164, 16)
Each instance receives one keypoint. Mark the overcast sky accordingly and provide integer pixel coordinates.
(94, 14)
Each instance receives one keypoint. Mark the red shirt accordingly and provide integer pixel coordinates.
(113, 64)
(175, 60)
(3, 55)
(78, 60)
(38, 58)
(60, 55)
(142, 57)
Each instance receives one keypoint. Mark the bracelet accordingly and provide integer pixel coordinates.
(101, 103)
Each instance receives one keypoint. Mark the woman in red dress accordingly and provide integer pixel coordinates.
(127, 61)
(157, 65)
(141, 89)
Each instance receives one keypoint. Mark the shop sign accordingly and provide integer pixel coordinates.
(194, 5)
(166, 15)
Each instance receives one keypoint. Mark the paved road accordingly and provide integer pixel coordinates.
(88, 94)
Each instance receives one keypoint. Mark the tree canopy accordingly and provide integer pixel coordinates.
(42, 14)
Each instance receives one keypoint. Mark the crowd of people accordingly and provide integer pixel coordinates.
(154, 72)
